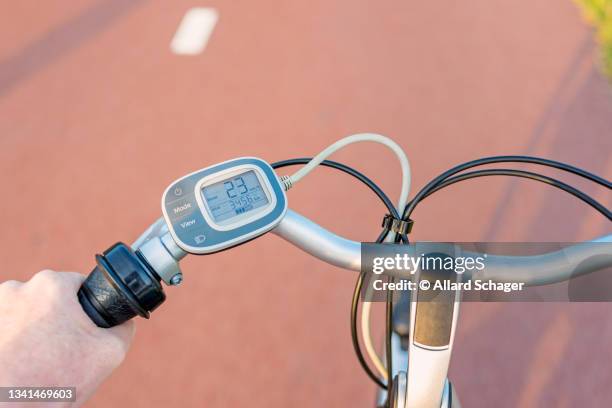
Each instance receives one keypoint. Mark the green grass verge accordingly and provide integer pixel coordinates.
(599, 14)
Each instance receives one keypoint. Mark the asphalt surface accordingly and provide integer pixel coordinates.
(98, 116)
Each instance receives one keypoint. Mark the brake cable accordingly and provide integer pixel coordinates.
(528, 175)
(429, 187)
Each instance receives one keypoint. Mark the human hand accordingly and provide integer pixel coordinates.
(47, 340)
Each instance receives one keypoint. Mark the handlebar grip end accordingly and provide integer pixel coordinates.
(120, 287)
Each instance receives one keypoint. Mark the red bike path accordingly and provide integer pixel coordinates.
(97, 116)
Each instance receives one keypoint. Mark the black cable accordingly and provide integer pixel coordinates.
(389, 319)
(348, 170)
(499, 159)
(359, 284)
(388, 329)
(528, 175)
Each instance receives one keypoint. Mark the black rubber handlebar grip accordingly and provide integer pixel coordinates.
(121, 286)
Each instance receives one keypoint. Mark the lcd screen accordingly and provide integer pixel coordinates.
(234, 196)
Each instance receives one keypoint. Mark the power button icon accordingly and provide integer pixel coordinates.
(178, 191)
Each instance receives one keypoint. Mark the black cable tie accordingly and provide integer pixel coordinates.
(399, 226)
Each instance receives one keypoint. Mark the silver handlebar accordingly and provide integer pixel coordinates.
(319, 242)
(558, 266)
(163, 254)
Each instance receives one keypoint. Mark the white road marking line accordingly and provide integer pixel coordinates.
(194, 31)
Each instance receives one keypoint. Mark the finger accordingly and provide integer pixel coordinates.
(69, 281)
(43, 275)
(10, 285)
(73, 279)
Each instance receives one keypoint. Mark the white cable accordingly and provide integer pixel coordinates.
(360, 137)
(289, 181)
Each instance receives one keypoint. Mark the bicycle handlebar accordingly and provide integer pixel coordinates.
(553, 267)
(126, 281)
